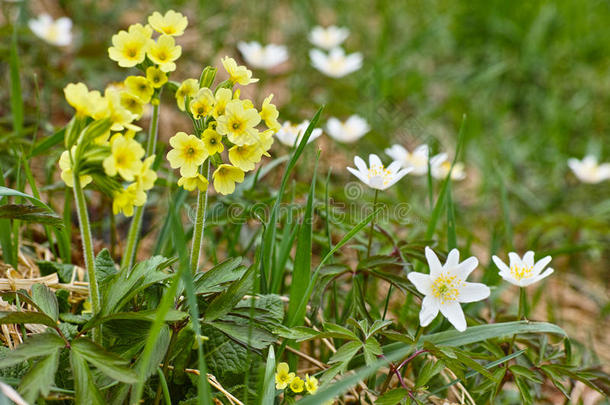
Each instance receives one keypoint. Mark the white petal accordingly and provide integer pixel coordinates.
(394, 167)
(421, 281)
(528, 259)
(453, 259)
(360, 164)
(472, 292)
(464, 269)
(454, 314)
(362, 177)
(429, 310)
(529, 281)
(500, 264)
(515, 260)
(508, 277)
(374, 160)
(435, 265)
(396, 152)
(541, 264)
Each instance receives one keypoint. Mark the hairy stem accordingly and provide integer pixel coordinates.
(136, 222)
(202, 203)
(85, 231)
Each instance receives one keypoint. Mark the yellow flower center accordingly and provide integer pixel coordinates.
(131, 52)
(446, 288)
(236, 125)
(520, 273)
(162, 56)
(190, 151)
(379, 171)
(169, 30)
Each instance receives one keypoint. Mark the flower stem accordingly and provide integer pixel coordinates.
(85, 230)
(136, 222)
(202, 203)
(523, 310)
(368, 249)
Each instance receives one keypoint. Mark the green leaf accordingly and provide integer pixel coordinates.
(345, 353)
(173, 315)
(40, 378)
(429, 370)
(84, 385)
(392, 397)
(268, 395)
(525, 372)
(31, 213)
(215, 279)
(108, 363)
(46, 300)
(244, 333)
(301, 273)
(339, 332)
(64, 270)
(26, 317)
(9, 192)
(222, 304)
(44, 144)
(104, 265)
(42, 344)
(524, 389)
(372, 349)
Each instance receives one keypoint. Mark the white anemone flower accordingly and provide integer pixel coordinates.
(376, 175)
(56, 32)
(418, 159)
(336, 63)
(440, 165)
(446, 287)
(263, 56)
(588, 170)
(328, 38)
(291, 135)
(523, 271)
(354, 128)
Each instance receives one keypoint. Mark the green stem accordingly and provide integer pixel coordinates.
(85, 230)
(523, 310)
(368, 249)
(136, 222)
(202, 203)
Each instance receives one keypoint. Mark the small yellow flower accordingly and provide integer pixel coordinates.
(282, 376)
(120, 116)
(124, 159)
(132, 103)
(146, 177)
(311, 384)
(67, 174)
(188, 153)
(129, 48)
(225, 178)
(238, 123)
(156, 77)
(297, 384)
(269, 114)
(140, 87)
(164, 52)
(237, 74)
(188, 88)
(172, 23)
(245, 157)
(125, 200)
(265, 140)
(190, 183)
(212, 141)
(203, 103)
(85, 102)
(222, 96)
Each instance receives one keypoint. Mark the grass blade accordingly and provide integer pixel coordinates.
(268, 396)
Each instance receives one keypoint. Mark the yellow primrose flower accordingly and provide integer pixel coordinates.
(120, 116)
(85, 102)
(282, 376)
(238, 123)
(225, 178)
(132, 103)
(265, 140)
(188, 153)
(164, 52)
(125, 155)
(269, 114)
(190, 183)
(140, 87)
(212, 141)
(222, 96)
(245, 157)
(156, 76)
(188, 88)
(129, 48)
(237, 74)
(247, 103)
(125, 200)
(297, 384)
(172, 23)
(67, 174)
(144, 30)
(311, 384)
(146, 177)
(203, 103)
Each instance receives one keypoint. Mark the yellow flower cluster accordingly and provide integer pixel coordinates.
(136, 46)
(284, 378)
(222, 120)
